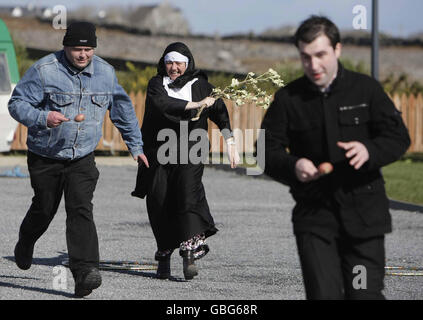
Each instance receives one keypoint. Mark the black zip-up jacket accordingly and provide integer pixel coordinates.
(303, 122)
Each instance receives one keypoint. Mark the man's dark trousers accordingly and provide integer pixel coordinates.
(76, 180)
(341, 267)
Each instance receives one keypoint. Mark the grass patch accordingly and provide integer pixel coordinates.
(404, 181)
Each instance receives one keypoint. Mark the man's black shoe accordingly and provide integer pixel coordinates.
(86, 282)
(23, 255)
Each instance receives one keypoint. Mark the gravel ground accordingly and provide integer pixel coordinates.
(252, 257)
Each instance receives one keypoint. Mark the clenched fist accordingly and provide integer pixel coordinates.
(306, 171)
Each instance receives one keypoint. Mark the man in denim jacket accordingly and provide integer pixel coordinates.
(47, 100)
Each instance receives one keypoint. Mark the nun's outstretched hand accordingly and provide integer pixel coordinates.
(205, 103)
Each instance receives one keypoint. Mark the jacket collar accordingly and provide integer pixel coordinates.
(89, 69)
(337, 84)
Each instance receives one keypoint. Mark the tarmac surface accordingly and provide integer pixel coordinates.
(252, 257)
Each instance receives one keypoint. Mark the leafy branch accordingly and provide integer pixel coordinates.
(247, 90)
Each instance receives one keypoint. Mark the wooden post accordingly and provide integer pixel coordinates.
(397, 102)
(412, 121)
(236, 127)
(19, 139)
(419, 123)
(140, 106)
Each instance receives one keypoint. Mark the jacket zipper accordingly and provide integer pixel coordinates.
(344, 108)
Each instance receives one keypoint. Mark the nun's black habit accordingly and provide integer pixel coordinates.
(176, 202)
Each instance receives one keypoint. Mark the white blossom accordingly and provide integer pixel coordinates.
(246, 91)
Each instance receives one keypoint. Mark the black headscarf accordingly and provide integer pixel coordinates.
(189, 74)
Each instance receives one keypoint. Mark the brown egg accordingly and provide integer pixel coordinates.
(325, 168)
(79, 117)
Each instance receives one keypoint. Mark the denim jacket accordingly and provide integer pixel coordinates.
(51, 84)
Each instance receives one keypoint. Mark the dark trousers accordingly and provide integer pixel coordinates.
(343, 267)
(76, 180)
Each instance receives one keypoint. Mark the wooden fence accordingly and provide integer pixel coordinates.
(245, 121)
(412, 114)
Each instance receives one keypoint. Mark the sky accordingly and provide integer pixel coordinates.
(398, 18)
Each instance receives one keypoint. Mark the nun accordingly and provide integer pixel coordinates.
(172, 184)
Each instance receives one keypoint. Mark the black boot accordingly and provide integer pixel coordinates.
(190, 269)
(86, 281)
(23, 255)
(163, 268)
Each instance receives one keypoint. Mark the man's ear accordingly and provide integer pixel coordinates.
(338, 50)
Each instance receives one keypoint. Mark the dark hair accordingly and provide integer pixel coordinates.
(315, 26)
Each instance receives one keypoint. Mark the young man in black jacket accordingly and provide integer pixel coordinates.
(344, 118)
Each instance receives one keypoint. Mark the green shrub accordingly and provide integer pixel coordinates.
(289, 71)
(355, 66)
(220, 80)
(401, 84)
(24, 62)
(135, 79)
